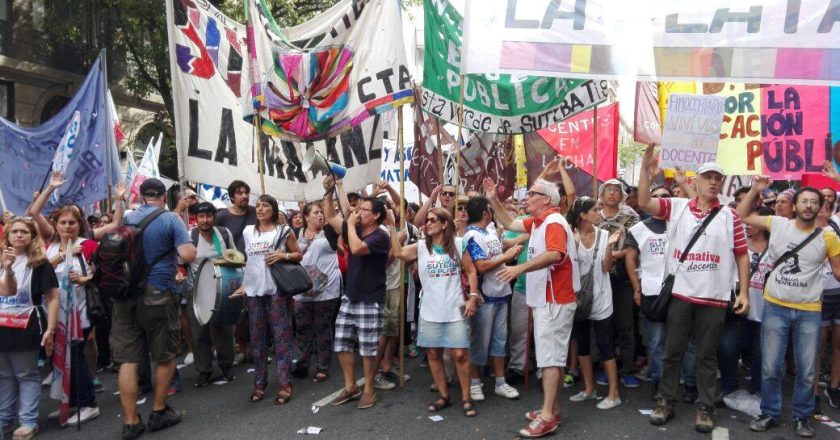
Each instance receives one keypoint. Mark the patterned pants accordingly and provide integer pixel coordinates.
(314, 320)
(270, 312)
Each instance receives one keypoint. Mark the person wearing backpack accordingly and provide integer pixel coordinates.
(793, 293)
(706, 250)
(210, 242)
(145, 316)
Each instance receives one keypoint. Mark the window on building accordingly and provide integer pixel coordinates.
(53, 106)
(5, 26)
(7, 100)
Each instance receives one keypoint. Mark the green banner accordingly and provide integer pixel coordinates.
(503, 104)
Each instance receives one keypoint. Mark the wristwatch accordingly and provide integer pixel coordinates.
(288, 256)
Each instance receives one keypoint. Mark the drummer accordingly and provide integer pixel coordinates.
(210, 241)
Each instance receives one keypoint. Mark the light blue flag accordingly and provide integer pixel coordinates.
(88, 157)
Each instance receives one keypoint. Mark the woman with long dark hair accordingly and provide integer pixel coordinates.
(315, 310)
(267, 309)
(595, 255)
(444, 312)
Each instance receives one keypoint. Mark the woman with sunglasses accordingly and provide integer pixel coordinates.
(267, 310)
(594, 254)
(444, 311)
(443, 193)
(28, 283)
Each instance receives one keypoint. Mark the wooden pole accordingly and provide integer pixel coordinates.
(401, 158)
(458, 147)
(258, 140)
(595, 153)
(442, 162)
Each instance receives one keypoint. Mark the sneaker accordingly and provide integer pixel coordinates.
(202, 380)
(690, 395)
(703, 419)
(131, 432)
(630, 381)
(762, 423)
(609, 403)
(803, 428)
(85, 414)
(644, 374)
(366, 401)
(663, 412)
(833, 395)
(98, 386)
(581, 396)
(395, 372)
(163, 419)
(239, 358)
(24, 433)
(346, 396)
(189, 359)
(476, 392)
(570, 380)
(824, 380)
(506, 391)
(534, 415)
(380, 382)
(602, 379)
(424, 361)
(539, 428)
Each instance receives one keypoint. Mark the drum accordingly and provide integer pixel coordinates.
(211, 296)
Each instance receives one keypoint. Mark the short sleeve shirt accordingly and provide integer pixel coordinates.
(236, 224)
(163, 235)
(561, 289)
(366, 273)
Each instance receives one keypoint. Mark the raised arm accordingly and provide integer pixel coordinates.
(331, 217)
(120, 190)
(500, 213)
(682, 182)
(745, 208)
(420, 217)
(649, 168)
(558, 165)
(44, 227)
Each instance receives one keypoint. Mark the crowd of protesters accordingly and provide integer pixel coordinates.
(558, 285)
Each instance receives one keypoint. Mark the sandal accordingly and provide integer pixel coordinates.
(283, 396)
(441, 403)
(469, 408)
(321, 376)
(257, 395)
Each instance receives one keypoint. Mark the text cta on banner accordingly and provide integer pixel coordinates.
(692, 130)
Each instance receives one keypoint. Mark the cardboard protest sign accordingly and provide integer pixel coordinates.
(692, 130)
(794, 129)
(740, 149)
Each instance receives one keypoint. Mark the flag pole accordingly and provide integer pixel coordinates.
(258, 141)
(441, 162)
(401, 158)
(458, 147)
(112, 142)
(595, 153)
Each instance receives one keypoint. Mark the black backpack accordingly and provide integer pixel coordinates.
(121, 268)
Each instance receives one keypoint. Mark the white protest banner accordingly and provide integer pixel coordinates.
(692, 130)
(330, 73)
(771, 41)
(215, 144)
(391, 168)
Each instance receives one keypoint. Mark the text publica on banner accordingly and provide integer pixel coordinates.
(692, 130)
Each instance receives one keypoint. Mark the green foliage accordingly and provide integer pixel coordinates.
(629, 151)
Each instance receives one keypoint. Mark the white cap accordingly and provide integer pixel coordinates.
(710, 167)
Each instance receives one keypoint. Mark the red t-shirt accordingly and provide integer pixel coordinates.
(561, 288)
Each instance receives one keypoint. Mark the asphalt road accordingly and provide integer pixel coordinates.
(223, 412)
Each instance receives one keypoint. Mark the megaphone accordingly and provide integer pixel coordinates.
(315, 162)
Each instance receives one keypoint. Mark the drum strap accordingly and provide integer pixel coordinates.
(216, 243)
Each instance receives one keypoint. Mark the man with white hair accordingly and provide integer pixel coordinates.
(552, 280)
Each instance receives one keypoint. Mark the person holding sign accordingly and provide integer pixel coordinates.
(792, 301)
(706, 244)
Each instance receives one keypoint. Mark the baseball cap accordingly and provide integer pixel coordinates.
(710, 167)
(152, 187)
(614, 182)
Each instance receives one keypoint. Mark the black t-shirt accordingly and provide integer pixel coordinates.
(236, 224)
(16, 340)
(366, 273)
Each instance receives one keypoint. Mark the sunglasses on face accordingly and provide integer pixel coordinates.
(461, 207)
(432, 220)
(448, 194)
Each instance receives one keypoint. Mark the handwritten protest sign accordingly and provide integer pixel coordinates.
(794, 128)
(692, 130)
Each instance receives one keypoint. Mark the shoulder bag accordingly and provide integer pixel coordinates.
(659, 307)
(96, 311)
(792, 252)
(290, 278)
(586, 296)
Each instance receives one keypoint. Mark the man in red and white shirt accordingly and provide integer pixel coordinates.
(702, 283)
(551, 282)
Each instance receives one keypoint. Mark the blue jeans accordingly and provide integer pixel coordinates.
(20, 385)
(488, 332)
(777, 324)
(656, 345)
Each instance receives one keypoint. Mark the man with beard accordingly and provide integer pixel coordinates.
(210, 241)
(792, 301)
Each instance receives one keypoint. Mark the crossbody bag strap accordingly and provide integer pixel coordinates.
(697, 234)
(793, 251)
(754, 269)
(282, 237)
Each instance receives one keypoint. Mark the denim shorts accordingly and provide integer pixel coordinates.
(489, 330)
(443, 334)
(830, 310)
